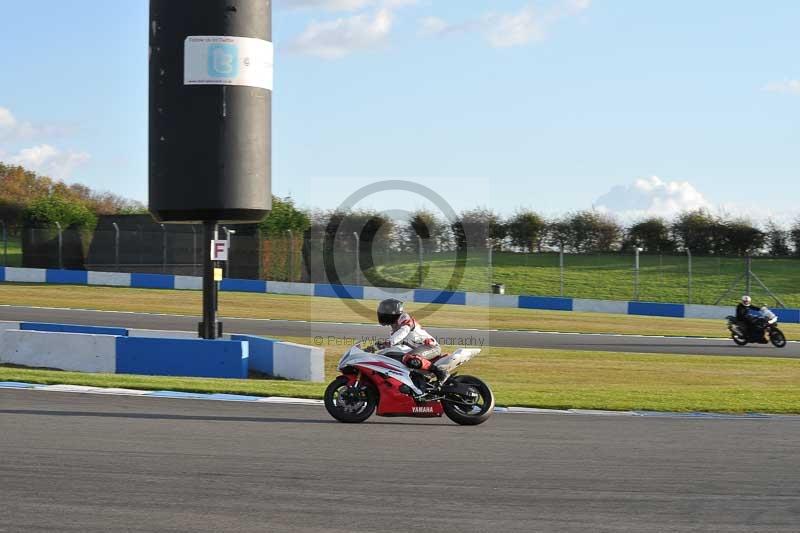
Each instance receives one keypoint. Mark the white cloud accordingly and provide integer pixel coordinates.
(13, 129)
(341, 5)
(652, 197)
(503, 30)
(789, 86)
(513, 29)
(432, 26)
(337, 38)
(50, 161)
(327, 5)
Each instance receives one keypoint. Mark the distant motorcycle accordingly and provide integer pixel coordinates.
(378, 380)
(763, 324)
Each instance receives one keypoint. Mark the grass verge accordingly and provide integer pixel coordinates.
(542, 378)
(290, 307)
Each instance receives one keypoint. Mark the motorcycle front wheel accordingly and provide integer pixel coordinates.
(472, 409)
(349, 404)
(777, 338)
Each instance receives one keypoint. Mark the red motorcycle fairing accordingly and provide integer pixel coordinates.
(392, 402)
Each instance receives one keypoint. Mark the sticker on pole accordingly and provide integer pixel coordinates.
(224, 60)
(219, 250)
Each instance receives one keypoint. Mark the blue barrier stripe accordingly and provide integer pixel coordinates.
(2, 273)
(243, 285)
(182, 357)
(788, 315)
(75, 277)
(339, 291)
(440, 297)
(72, 328)
(544, 302)
(152, 281)
(656, 309)
(261, 353)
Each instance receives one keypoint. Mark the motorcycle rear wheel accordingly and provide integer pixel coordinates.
(777, 338)
(476, 414)
(348, 405)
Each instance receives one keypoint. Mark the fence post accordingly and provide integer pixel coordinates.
(748, 284)
(420, 262)
(5, 243)
(491, 265)
(290, 275)
(141, 242)
(636, 276)
(163, 249)
(561, 269)
(226, 267)
(116, 245)
(689, 256)
(60, 243)
(194, 250)
(357, 268)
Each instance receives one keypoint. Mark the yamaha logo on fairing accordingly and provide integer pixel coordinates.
(422, 409)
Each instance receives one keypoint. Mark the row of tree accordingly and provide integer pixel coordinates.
(585, 231)
(29, 198)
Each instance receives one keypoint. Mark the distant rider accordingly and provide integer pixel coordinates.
(406, 330)
(744, 318)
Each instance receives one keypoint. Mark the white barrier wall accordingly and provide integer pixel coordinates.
(708, 311)
(600, 306)
(163, 334)
(26, 275)
(65, 351)
(188, 283)
(377, 293)
(295, 361)
(284, 287)
(114, 279)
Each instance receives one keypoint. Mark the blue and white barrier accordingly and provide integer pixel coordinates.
(285, 359)
(164, 281)
(162, 353)
(79, 352)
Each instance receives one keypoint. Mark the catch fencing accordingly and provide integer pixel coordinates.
(634, 276)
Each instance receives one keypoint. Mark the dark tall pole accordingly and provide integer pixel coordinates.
(210, 108)
(209, 327)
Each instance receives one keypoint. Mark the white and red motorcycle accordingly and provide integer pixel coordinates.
(378, 380)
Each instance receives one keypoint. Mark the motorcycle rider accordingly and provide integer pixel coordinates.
(744, 318)
(406, 330)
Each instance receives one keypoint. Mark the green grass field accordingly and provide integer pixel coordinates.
(608, 277)
(541, 378)
(525, 377)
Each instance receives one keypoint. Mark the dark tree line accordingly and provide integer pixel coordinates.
(590, 231)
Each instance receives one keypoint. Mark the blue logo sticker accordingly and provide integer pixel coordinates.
(223, 61)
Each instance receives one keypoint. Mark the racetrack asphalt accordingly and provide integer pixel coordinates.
(92, 463)
(347, 334)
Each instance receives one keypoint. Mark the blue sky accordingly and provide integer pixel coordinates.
(552, 104)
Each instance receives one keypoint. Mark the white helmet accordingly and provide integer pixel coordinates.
(746, 300)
